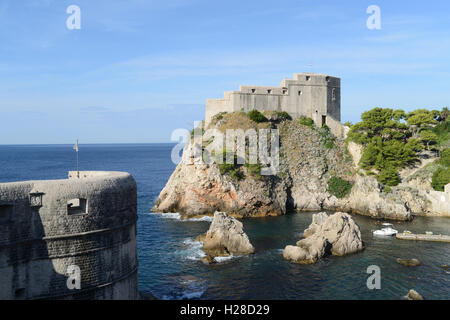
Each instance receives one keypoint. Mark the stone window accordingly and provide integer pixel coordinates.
(253, 90)
(5, 212)
(284, 91)
(333, 94)
(300, 92)
(324, 120)
(269, 91)
(307, 78)
(77, 206)
(327, 79)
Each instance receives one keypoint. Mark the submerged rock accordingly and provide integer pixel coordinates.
(409, 262)
(225, 236)
(336, 234)
(413, 295)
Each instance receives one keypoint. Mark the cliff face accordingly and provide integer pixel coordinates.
(308, 159)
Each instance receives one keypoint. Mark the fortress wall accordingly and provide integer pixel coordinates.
(215, 106)
(440, 202)
(336, 127)
(40, 237)
(316, 96)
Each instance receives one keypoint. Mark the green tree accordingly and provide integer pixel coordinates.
(369, 156)
(445, 157)
(422, 119)
(428, 137)
(444, 115)
(389, 177)
(440, 178)
(385, 123)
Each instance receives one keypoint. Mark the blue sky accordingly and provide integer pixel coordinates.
(137, 70)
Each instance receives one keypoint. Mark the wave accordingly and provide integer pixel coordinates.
(223, 259)
(167, 215)
(177, 216)
(187, 289)
(192, 251)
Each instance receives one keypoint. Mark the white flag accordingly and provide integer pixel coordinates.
(75, 147)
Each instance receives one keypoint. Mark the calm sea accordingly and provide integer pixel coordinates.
(169, 258)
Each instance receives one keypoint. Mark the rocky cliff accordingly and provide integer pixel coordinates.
(309, 158)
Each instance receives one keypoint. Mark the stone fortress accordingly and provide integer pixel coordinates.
(88, 220)
(317, 96)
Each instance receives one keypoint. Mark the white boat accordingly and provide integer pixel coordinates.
(386, 231)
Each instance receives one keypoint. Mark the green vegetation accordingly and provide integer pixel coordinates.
(389, 177)
(442, 131)
(306, 121)
(326, 137)
(256, 116)
(339, 187)
(441, 175)
(254, 170)
(233, 169)
(200, 131)
(283, 116)
(393, 138)
(218, 116)
(445, 157)
(440, 178)
(348, 123)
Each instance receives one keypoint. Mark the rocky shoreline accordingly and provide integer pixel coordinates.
(306, 165)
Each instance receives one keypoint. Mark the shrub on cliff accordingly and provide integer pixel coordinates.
(254, 170)
(441, 177)
(283, 116)
(306, 121)
(445, 157)
(443, 132)
(232, 169)
(389, 177)
(326, 137)
(256, 116)
(339, 187)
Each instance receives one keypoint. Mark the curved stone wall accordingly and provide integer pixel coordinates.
(88, 220)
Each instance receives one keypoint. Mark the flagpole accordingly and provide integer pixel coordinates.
(78, 169)
(75, 147)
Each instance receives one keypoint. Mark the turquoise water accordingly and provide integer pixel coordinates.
(169, 258)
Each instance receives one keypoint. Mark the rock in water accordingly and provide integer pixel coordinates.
(413, 295)
(336, 234)
(225, 236)
(408, 262)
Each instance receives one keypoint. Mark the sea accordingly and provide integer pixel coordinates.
(170, 264)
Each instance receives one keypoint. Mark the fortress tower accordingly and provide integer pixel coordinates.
(317, 96)
(87, 221)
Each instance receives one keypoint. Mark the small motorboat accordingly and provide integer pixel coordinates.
(386, 231)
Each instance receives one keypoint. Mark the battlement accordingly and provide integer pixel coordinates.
(88, 220)
(313, 95)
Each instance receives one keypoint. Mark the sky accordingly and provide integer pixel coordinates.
(137, 70)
